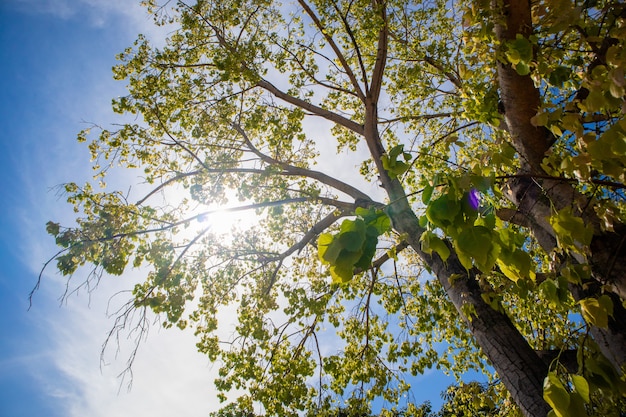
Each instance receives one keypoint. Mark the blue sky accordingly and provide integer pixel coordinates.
(55, 77)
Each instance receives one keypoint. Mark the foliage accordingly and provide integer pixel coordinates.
(483, 225)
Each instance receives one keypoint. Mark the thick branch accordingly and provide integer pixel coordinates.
(305, 105)
(381, 54)
(517, 364)
(609, 184)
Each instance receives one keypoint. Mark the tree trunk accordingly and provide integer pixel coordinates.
(517, 364)
(607, 257)
(521, 369)
(536, 201)
(610, 340)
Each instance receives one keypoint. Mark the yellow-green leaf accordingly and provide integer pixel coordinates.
(556, 395)
(597, 310)
(581, 386)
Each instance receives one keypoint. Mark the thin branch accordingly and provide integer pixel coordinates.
(40, 276)
(166, 183)
(176, 141)
(309, 74)
(453, 131)
(335, 48)
(385, 257)
(418, 117)
(199, 217)
(605, 183)
(379, 262)
(266, 85)
(450, 76)
(370, 291)
(355, 45)
(294, 170)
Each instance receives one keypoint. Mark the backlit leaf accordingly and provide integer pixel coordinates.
(556, 395)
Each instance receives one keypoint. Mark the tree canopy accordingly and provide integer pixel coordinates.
(436, 184)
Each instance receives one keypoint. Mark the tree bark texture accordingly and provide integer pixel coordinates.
(521, 369)
(536, 200)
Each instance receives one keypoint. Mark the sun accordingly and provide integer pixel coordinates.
(220, 220)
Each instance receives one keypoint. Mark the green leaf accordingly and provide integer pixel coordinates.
(365, 213)
(469, 311)
(550, 291)
(423, 221)
(515, 264)
(522, 68)
(396, 151)
(443, 211)
(53, 228)
(326, 250)
(352, 234)
(570, 230)
(493, 300)
(576, 274)
(519, 50)
(559, 76)
(367, 253)
(382, 223)
(581, 386)
(597, 310)
(576, 406)
(556, 395)
(482, 183)
(341, 274)
(392, 165)
(347, 259)
(431, 242)
(480, 244)
(540, 119)
(427, 194)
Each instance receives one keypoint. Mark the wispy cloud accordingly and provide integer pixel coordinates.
(169, 376)
(97, 12)
(63, 348)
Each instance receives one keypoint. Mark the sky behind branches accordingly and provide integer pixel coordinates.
(55, 79)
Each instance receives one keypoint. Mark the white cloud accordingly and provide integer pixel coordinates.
(169, 376)
(96, 12)
(63, 352)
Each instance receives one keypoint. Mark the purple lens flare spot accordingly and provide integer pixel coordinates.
(474, 198)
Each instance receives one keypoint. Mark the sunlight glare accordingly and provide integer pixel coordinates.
(221, 220)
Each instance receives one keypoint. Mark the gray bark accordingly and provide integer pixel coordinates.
(520, 368)
(536, 200)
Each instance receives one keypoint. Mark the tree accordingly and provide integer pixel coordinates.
(491, 143)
